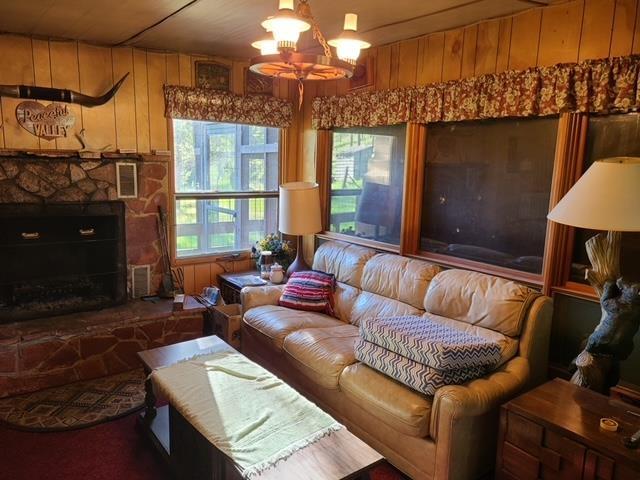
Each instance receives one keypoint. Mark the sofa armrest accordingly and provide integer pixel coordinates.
(251, 297)
(464, 419)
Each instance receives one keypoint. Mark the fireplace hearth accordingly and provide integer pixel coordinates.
(61, 258)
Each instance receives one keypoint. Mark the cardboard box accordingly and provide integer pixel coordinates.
(226, 323)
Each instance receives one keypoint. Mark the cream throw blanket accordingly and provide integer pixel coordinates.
(249, 414)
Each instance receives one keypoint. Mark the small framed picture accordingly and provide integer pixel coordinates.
(256, 84)
(216, 76)
(364, 74)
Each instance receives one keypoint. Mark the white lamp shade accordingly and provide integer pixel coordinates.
(606, 197)
(299, 208)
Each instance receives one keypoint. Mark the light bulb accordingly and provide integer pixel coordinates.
(349, 44)
(286, 26)
(348, 50)
(267, 46)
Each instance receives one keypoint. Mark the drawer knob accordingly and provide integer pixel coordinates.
(30, 235)
(87, 232)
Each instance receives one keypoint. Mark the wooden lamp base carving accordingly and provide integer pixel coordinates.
(598, 365)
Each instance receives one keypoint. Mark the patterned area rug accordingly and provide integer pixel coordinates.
(76, 405)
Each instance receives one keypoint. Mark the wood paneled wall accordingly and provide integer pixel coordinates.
(134, 120)
(567, 32)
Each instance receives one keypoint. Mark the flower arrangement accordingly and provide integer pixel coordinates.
(281, 250)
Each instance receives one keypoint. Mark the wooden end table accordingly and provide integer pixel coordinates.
(554, 431)
(340, 455)
(230, 287)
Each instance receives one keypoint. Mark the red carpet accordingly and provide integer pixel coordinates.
(110, 451)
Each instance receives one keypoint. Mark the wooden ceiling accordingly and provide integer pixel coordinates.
(227, 27)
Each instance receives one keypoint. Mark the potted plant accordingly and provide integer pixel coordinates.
(281, 250)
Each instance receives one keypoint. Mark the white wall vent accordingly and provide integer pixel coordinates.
(140, 281)
(127, 180)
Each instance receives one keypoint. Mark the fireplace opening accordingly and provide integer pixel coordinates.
(60, 258)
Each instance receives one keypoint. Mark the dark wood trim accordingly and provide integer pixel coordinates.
(324, 146)
(578, 290)
(455, 262)
(365, 242)
(570, 146)
(415, 154)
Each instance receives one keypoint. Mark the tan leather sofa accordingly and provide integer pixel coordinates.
(451, 435)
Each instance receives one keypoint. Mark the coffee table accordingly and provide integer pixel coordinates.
(340, 455)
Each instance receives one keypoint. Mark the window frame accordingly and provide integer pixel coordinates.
(228, 255)
(324, 151)
(413, 245)
(570, 149)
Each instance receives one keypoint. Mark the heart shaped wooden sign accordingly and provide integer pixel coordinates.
(48, 122)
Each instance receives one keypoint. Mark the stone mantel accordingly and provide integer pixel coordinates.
(80, 156)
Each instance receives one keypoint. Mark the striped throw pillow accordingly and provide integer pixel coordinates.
(310, 290)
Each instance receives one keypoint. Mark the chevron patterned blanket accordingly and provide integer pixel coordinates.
(430, 343)
(417, 376)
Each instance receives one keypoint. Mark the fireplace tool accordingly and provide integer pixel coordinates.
(167, 287)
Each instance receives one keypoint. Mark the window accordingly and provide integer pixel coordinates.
(226, 185)
(609, 136)
(367, 175)
(486, 191)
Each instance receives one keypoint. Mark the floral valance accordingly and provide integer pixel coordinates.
(206, 104)
(607, 85)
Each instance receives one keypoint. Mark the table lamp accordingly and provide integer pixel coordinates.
(299, 215)
(606, 197)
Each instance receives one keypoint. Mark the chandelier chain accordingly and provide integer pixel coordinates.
(304, 11)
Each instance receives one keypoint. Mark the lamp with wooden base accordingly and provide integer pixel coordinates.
(299, 215)
(606, 197)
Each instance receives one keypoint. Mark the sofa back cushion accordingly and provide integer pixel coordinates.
(399, 278)
(344, 260)
(480, 299)
(344, 298)
(371, 305)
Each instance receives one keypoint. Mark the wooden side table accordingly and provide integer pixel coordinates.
(554, 432)
(230, 285)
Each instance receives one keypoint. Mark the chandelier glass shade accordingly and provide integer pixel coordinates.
(280, 58)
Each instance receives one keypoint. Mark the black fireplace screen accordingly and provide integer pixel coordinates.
(60, 258)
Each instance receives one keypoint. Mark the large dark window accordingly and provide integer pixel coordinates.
(610, 136)
(367, 176)
(486, 191)
(226, 184)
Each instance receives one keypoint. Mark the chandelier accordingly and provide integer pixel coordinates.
(280, 58)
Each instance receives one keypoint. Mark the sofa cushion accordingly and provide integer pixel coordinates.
(479, 299)
(275, 322)
(397, 277)
(431, 343)
(344, 298)
(387, 400)
(344, 260)
(322, 353)
(370, 305)
(417, 376)
(508, 345)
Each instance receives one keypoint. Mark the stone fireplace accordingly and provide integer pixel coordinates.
(79, 242)
(43, 179)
